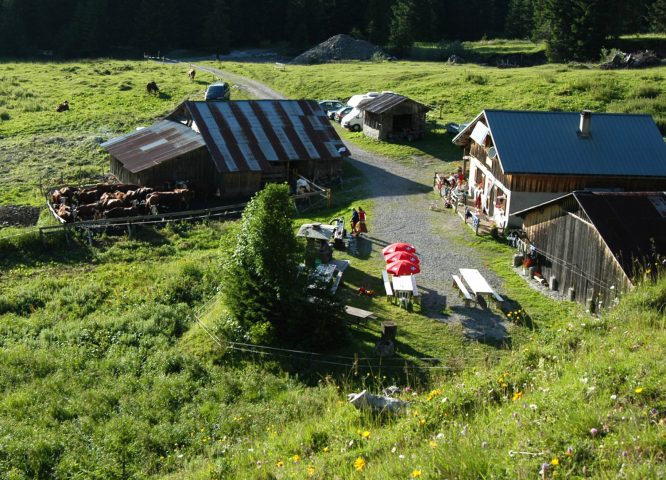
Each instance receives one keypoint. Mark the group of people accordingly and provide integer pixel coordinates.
(358, 225)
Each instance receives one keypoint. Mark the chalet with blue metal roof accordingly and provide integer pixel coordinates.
(517, 159)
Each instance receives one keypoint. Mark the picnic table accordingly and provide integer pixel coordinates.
(477, 284)
(405, 288)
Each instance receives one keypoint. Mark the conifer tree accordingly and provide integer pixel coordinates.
(401, 36)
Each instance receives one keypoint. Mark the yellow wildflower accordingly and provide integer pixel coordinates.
(365, 435)
(326, 449)
(422, 421)
(432, 443)
(639, 390)
(311, 470)
(279, 464)
(296, 458)
(555, 461)
(359, 464)
(416, 473)
(517, 396)
(434, 394)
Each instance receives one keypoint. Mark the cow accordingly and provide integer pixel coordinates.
(63, 106)
(139, 194)
(151, 87)
(176, 200)
(86, 212)
(120, 212)
(86, 196)
(114, 203)
(65, 213)
(191, 73)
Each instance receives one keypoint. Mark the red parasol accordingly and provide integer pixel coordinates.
(411, 258)
(399, 247)
(402, 267)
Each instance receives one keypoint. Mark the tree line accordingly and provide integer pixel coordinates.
(572, 29)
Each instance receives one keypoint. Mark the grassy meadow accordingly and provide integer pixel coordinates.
(106, 372)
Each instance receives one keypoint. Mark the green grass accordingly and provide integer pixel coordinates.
(105, 373)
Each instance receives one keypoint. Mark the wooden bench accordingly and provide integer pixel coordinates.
(467, 297)
(387, 286)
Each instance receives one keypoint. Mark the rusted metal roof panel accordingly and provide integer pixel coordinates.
(153, 145)
(248, 135)
(386, 101)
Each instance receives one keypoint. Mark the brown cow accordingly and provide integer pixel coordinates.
(86, 196)
(63, 106)
(86, 212)
(65, 213)
(151, 87)
(178, 199)
(114, 203)
(191, 73)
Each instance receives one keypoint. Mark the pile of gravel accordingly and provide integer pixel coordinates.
(338, 47)
(18, 215)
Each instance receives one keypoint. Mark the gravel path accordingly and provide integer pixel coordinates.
(402, 214)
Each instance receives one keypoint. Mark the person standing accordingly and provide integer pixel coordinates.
(361, 227)
(354, 220)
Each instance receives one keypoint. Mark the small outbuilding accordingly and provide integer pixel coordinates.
(392, 116)
(518, 159)
(231, 149)
(594, 246)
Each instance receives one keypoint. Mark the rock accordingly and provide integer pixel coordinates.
(456, 59)
(338, 47)
(376, 403)
(646, 58)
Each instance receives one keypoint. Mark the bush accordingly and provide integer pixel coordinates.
(475, 78)
(4, 116)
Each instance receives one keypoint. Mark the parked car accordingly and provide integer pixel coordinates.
(330, 105)
(339, 114)
(353, 120)
(217, 91)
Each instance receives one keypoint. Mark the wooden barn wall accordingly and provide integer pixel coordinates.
(195, 167)
(379, 126)
(563, 183)
(237, 185)
(575, 255)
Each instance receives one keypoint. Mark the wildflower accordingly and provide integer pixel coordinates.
(311, 470)
(422, 422)
(296, 458)
(432, 443)
(569, 451)
(555, 461)
(517, 396)
(613, 397)
(279, 464)
(544, 469)
(593, 432)
(639, 390)
(365, 435)
(416, 473)
(434, 393)
(326, 449)
(359, 464)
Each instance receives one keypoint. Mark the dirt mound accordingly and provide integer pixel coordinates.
(18, 215)
(339, 47)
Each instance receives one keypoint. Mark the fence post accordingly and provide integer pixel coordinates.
(89, 236)
(329, 198)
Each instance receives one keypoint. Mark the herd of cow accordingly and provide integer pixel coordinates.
(74, 204)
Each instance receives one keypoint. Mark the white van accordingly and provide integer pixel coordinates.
(354, 119)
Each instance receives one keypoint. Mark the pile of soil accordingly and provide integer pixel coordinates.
(338, 47)
(18, 215)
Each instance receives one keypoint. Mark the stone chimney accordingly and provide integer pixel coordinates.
(585, 121)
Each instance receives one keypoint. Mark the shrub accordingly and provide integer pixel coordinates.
(646, 91)
(4, 116)
(476, 78)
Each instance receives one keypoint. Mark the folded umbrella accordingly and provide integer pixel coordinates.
(399, 247)
(402, 267)
(410, 257)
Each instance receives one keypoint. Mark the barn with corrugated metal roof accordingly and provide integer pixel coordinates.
(518, 159)
(392, 116)
(231, 149)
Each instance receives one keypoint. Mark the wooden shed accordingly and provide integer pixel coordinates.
(596, 245)
(391, 116)
(230, 149)
(517, 159)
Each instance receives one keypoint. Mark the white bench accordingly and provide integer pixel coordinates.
(336, 282)
(387, 286)
(497, 297)
(457, 282)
